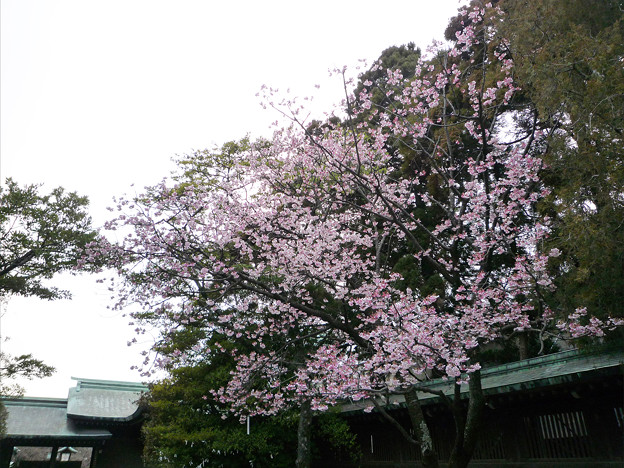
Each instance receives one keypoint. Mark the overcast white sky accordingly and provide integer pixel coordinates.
(99, 95)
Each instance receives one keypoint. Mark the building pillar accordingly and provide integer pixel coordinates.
(53, 456)
(94, 455)
(6, 453)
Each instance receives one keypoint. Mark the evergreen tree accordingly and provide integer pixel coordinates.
(569, 63)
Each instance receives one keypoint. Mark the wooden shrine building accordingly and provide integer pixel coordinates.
(560, 410)
(102, 415)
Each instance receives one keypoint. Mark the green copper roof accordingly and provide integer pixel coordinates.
(532, 373)
(537, 372)
(104, 400)
(38, 418)
(111, 385)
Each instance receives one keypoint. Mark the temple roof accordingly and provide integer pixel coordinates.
(550, 370)
(104, 400)
(35, 419)
(547, 370)
(538, 372)
(89, 403)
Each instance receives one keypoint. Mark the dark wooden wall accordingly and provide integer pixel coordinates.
(577, 424)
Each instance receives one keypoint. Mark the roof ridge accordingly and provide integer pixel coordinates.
(548, 359)
(534, 361)
(109, 384)
(35, 401)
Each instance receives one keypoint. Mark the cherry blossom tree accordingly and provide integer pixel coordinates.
(359, 260)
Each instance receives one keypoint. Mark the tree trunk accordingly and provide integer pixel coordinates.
(468, 428)
(304, 435)
(421, 430)
(523, 345)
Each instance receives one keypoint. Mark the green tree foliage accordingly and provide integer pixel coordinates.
(40, 235)
(403, 58)
(185, 426)
(20, 366)
(3, 419)
(569, 58)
